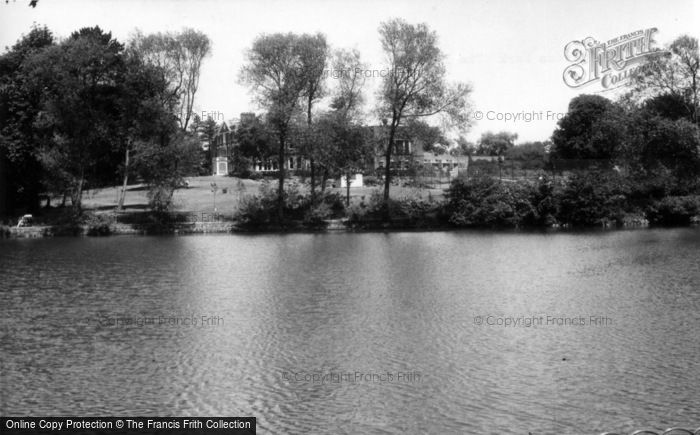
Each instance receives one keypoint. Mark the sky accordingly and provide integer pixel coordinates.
(510, 52)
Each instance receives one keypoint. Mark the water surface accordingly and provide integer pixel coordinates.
(407, 328)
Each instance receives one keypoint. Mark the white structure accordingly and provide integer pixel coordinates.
(221, 166)
(355, 181)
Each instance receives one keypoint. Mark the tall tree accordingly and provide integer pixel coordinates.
(179, 57)
(496, 144)
(591, 129)
(254, 143)
(277, 73)
(142, 115)
(20, 102)
(314, 54)
(77, 125)
(675, 72)
(415, 86)
(347, 97)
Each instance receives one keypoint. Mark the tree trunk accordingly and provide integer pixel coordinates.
(347, 189)
(77, 198)
(4, 208)
(311, 148)
(387, 171)
(280, 188)
(313, 180)
(324, 180)
(120, 206)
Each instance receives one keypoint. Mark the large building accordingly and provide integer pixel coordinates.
(406, 155)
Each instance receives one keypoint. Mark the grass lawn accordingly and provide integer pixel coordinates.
(199, 198)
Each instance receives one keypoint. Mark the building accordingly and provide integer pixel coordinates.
(222, 150)
(408, 155)
(224, 147)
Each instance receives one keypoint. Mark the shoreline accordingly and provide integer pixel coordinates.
(330, 226)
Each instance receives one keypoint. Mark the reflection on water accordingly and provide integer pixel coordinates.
(359, 333)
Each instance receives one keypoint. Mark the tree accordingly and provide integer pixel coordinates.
(496, 144)
(591, 129)
(164, 163)
(179, 57)
(347, 97)
(528, 151)
(20, 170)
(206, 131)
(675, 72)
(415, 86)
(253, 143)
(347, 146)
(142, 115)
(350, 147)
(463, 148)
(77, 126)
(314, 53)
(430, 138)
(277, 73)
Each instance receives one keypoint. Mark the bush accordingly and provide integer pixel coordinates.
(485, 201)
(370, 180)
(419, 212)
(99, 224)
(254, 176)
(335, 202)
(594, 199)
(372, 209)
(545, 204)
(252, 211)
(317, 215)
(674, 210)
(260, 209)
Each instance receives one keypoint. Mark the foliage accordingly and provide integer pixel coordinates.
(260, 209)
(496, 144)
(279, 69)
(254, 142)
(179, 57)
(484, 201)
(163, 166)
(77, 126)
(527, 151)
(674, 210)
(594, 198)
(421, 134)
(464, 147)
(591, 129)
(417, 86)
(675, 74)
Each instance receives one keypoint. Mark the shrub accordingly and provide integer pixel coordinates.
(419, 212)
(99, 224)
(317, 215)
(252, 211)
(594, 198)
(335, 202)
(484, 201)
(370, 180)
(674, 210)
(373, 209)
(255, 176)
(545, 204)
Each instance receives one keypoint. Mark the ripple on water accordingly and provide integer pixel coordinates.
(366, 303)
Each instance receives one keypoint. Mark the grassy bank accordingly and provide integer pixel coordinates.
(582, 200)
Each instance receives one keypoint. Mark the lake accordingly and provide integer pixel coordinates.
(376, 333)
